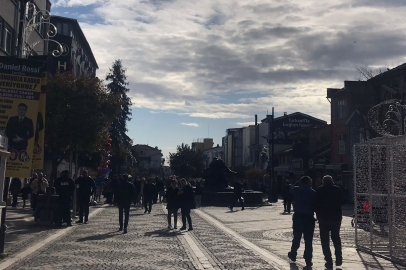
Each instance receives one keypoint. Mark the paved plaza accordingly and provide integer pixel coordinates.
(257, 238)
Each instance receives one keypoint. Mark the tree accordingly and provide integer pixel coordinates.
(117, 87)
(78, 115)
(366, 72)
(186, 162)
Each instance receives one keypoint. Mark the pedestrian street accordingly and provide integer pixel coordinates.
(257, 238)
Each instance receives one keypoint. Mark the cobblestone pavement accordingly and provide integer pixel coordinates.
(22, 231)
(98, 245)
(268, 227)
(225, 251)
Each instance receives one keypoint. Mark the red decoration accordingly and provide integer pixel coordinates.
(365, 206)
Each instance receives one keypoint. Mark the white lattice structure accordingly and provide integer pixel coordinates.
(380, 197)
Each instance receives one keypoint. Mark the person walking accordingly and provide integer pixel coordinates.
(187, 202)
(172, 199)
(141, 198)
(38, 187)
(65, 187)
(161, 189)
(198, 194)
(329, 201)
(303, 219)
(287, 197)
(149, 192)
(114, 187)
(86, 188)
(15, 188)
(137, 186)
(237, 196)
(125, 195)
(24, 193)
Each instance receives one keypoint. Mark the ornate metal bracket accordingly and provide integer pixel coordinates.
(388, 118)
(40, 18)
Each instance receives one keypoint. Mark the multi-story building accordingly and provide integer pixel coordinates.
(233, 147)
(77, 56)
(210, 154)
(148, 157)
(201, 146)
(21, 33)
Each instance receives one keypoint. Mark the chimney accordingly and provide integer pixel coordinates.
(256, 130)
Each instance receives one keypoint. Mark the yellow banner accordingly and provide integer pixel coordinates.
(20, 89)
(38, 157)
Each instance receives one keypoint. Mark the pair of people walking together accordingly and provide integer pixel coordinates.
(180, 198)
(327, 203)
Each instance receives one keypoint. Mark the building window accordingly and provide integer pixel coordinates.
(8, 40)
(341, 109)
(341, 146)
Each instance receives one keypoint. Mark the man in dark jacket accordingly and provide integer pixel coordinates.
(172, 199)
(187, 202)
(329, 201)
(287, 197)
(125, 196)
(114, 187)
(237, 196)
(303, 219)
(65, 187)
(15, 188)
(149, 192)
(19, 129)
(86, 188)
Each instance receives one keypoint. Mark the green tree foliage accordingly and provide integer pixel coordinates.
(186, 162)
(78, 115)
(117, 87)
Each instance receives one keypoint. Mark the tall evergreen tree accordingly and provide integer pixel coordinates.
(117, 85)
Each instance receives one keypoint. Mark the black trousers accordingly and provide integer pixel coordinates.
(237, 197)
(186, 215)
(84, 208)
(64, 211)
(15, 198)
(147, 203)
(126, 210)
(333, 226)
(173, 211)
(303, 225)
(287, 203)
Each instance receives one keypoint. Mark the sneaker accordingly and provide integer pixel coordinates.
(86, 222)
(339, 261)
(125, 231)
(242, 209)
(231, 209)
(190, 229)
(120, 229)
(169, 227)
(328, 265)
(149, 212)
(291, 257)
(175, 228)
(79, 221)
(183, 228)
(145, 211)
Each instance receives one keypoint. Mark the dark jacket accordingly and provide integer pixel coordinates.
(286, 192)
(303, 199)
(149, 190)
(65, 187)
(172, 198)
(137, 185)
(198, 190)
(187, 199)
(15, 186)
(160, 185)
(125, 193)
(329, 201)
(23, 129)
(87, 187)
(24, 192)
(237, 188)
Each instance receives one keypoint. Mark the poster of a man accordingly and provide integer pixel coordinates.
(19, 129)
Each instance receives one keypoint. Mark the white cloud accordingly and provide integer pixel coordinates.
(190, 57)
(245, 124)
(190, 124)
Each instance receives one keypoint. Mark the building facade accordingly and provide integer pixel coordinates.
(148, 157)
(210, 154)
(207, 143)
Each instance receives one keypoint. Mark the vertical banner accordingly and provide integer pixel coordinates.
(20, 89)
(39, 139)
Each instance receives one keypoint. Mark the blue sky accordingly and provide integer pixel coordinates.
(194, 65)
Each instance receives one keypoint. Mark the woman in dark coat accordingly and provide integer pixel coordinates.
(187, 199)
(172, 199)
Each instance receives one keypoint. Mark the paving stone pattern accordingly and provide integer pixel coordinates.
(98, 245)
(224, 250)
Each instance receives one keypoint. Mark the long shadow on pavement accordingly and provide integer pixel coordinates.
(99, 236)
(161, 233)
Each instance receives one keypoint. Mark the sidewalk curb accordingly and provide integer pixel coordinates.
(7, 262)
